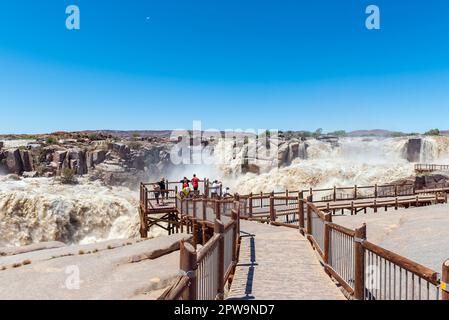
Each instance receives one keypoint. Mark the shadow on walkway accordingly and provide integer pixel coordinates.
(251, 268)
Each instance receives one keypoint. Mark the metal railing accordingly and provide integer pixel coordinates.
(392, 277)
(204, 272)
(365, 270)
(207, 274)
(341, 256)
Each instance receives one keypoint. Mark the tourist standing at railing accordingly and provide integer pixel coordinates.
(227, 193)
(195, 182)
(159, 189)
(215, 189)
(185, 187)
(185, 182)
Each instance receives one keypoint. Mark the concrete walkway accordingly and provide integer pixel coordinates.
(279, 263)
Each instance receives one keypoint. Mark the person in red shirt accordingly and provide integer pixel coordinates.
(195, 182)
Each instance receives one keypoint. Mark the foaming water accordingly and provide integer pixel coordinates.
(435, 150)
(41, 209)
(361, 161)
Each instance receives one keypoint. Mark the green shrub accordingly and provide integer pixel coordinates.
(51, 140)
(68, 176)
(433, 132)
(135, 145)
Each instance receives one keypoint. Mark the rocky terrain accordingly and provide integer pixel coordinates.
(123, 162)
(116, 269)
(125, 159)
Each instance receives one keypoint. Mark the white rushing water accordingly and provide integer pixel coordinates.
(42, 209)
(355, 161)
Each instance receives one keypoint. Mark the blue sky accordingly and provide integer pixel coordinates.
(297, 65)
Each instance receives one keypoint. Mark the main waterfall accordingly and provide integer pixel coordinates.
(353, 161)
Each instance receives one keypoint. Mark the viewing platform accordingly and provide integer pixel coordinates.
(428, 168)
(286, 246)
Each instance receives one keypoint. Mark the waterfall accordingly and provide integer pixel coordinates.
(41, 209)
(429, 151)
(361, 161)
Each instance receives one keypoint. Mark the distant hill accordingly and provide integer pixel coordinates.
(129, 133)
(371, 133)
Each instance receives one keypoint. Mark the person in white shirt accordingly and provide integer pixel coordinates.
(215, 189)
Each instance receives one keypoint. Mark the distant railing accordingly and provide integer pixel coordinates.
(431, 167)
(365, 270)
(285, 204)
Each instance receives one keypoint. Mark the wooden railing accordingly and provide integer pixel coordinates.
(205, 272)
(260, 207)
(365, 270)
(431, 167)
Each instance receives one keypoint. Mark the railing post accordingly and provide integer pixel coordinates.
(181, 218)
(311, 195)
(141, 194)
(286, 197)
(219, 229)
(376, 190)
(195, 232)
(355, 192)
(335, 193)
(143, 224)
(445, 281)
(309, 216)
(301, 211)
(250, 205)
(327, 237)
(235, 217)
(359, 263)
(272, 211)
(395, 190)
(217, 210)
(188, 265)
(146, 199)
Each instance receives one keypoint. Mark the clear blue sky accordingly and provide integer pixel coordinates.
(231, 64)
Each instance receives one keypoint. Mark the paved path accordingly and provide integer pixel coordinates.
(278, 263)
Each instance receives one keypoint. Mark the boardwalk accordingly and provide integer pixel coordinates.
(278, 263)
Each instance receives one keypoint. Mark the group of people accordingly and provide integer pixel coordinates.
(189, 187)
(185, 192)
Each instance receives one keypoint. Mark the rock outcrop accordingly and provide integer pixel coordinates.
(413, 151)
(14, 162)
(431, 181)
(117, 163)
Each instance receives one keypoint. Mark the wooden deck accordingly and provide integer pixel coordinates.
(279, 263)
